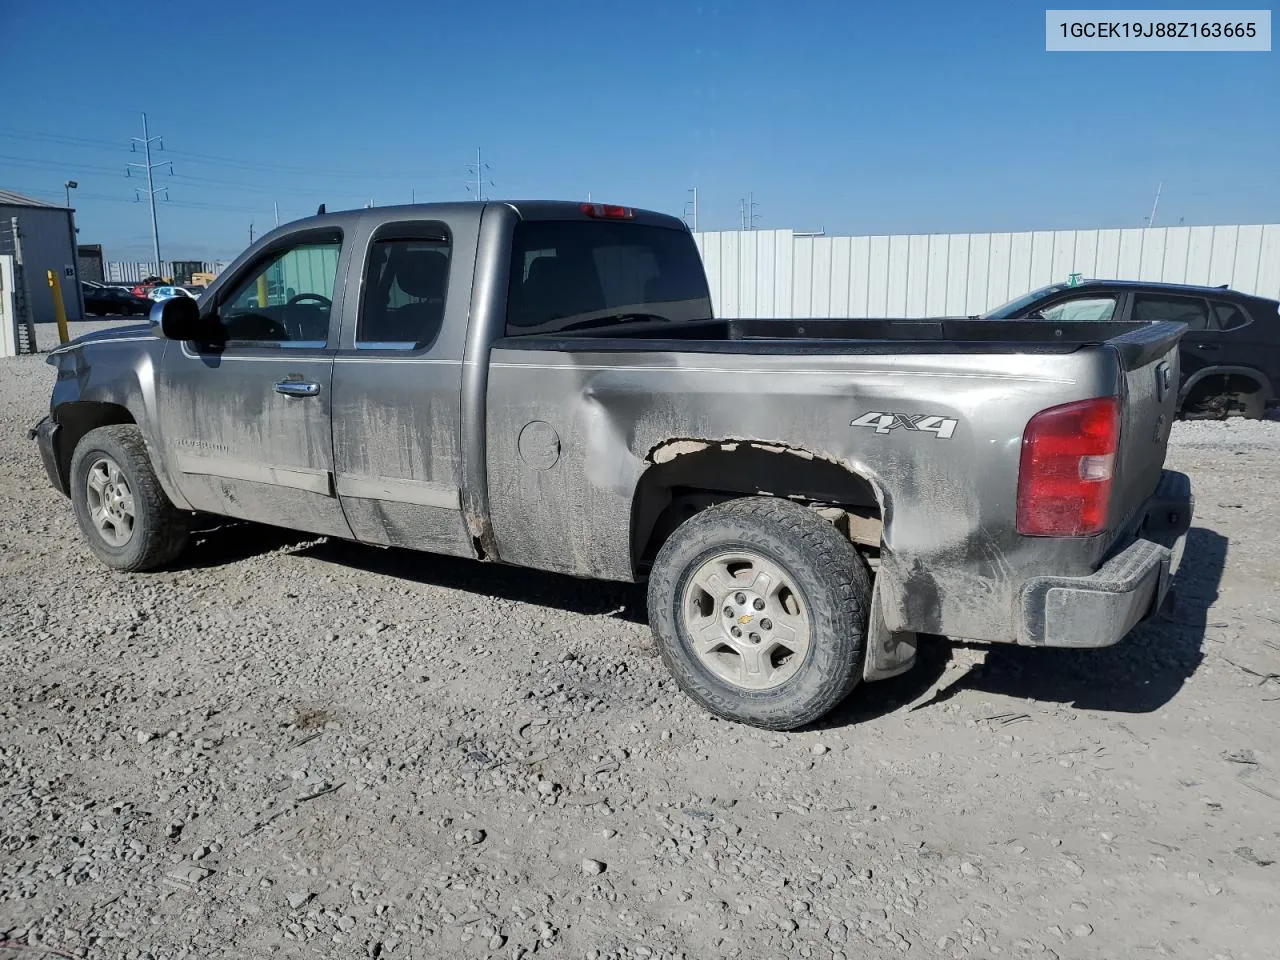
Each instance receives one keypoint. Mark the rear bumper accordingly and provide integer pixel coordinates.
(1100, 609)
(45, 433)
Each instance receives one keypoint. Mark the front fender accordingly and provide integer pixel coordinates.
(115, 376)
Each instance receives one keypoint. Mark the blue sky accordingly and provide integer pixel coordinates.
(853, 117)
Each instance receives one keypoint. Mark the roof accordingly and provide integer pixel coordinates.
(1190, 289)
(10, 199)
(1157, 284)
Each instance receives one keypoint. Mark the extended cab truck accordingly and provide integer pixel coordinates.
(543, 384)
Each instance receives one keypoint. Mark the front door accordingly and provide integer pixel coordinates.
(247, 424)
(397, 389)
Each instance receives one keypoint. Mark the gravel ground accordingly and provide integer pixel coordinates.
(303, 748)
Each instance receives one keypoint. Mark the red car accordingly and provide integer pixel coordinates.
(144, 288)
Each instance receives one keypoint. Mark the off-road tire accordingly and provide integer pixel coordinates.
(160, 530)
(831, 576)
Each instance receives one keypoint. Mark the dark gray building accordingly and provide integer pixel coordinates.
(48, 243)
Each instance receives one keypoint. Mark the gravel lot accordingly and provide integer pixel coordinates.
(302, 748)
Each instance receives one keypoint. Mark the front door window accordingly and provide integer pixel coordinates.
(288, 300)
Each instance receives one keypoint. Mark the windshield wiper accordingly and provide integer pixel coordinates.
(614, 318)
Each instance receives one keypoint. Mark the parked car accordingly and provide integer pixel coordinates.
(144, 287)
(1230, 357)
(165, 292)
(543, 385)
(108, 301)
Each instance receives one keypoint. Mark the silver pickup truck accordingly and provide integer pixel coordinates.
(543, 384)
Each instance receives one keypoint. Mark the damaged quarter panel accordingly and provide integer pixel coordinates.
(571, 433)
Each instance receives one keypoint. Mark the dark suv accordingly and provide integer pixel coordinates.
(1230, 356)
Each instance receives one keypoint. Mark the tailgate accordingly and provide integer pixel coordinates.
(1149, 370)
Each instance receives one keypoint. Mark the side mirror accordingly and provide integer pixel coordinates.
(179, 319)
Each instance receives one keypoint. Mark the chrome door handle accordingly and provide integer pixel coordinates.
(298, 388)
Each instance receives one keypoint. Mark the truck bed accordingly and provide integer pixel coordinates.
(1135, 343)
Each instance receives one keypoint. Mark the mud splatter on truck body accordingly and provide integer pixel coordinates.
(578, 447)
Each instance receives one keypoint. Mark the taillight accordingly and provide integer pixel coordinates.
(1068, 462)
(607, 211)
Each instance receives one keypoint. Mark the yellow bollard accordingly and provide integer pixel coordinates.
(59, 310)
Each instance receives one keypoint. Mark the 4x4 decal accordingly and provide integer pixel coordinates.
(941, 427)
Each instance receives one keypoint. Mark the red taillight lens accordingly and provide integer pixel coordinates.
(1068, 461)
(607, 211)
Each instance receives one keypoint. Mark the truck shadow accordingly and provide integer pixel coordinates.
(218, 541)
(1140, 674)
(626, 601)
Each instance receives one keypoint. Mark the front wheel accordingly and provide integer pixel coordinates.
(759, 607)
(122, 510)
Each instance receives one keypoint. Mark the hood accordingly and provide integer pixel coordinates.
(131, 332)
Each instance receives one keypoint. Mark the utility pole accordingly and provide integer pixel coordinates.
(1151, 221)
(477, 170)
(251, 233)
(694, 202)
(152, 190)
(276, 208)
(752, 216)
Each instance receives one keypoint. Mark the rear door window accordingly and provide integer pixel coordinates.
(1192, 311)
(1228, 316)
(404, 294)
(571, 274)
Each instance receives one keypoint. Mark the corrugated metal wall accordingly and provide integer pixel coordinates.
(774, 273)
(132, 271)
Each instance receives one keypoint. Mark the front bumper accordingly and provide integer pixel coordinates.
(45, 433)
(1100, 609)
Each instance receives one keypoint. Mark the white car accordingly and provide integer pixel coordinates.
(164, 293)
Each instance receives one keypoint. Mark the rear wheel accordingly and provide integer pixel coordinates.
(759, 607)
(123, 512)
(1218, 398)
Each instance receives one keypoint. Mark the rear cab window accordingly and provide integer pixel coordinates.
(583, 274)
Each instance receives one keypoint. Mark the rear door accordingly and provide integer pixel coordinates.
(397, 387)
(1245, 335)
(1200, 344)
(246, 424)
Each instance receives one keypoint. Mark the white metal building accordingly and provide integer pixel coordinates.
(774, 273)
(48, 243)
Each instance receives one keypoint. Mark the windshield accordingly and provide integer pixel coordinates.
(1014, 307)
(579, 274)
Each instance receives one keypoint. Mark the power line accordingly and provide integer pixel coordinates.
(152, 189)
(213, 160)
(263, 166)
(45, 164)
(477, 170)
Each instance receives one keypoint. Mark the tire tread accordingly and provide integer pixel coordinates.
(165, 529)
(845, 585)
